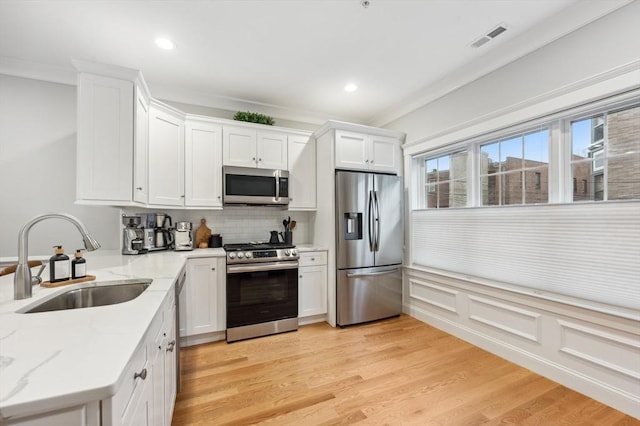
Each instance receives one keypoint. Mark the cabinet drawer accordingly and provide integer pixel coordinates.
(313, 258)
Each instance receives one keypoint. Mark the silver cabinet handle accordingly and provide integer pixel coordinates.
(172, 344)
(139, 188)
(213, 269)
(142, 375)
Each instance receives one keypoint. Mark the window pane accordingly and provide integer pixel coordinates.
(536, 149)
(623, 177)
(512, 188)
(582, 175)
(511, 151)
(536, 185)
(459, 165)
(458, 193)
(623, 128)
(431, 165)
(580, 139)
(443, 195)
(443, 164)
(491, 190)
(490, 158)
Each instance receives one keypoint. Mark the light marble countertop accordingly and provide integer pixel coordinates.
(58, 359)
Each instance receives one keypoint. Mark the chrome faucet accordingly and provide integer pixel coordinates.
(23, 281)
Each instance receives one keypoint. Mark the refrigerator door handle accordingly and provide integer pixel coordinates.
(370, 224)
(377, 219)
(372, 274)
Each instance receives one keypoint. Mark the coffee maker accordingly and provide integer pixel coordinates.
(182, 238)
(162, 237)
(132, 235)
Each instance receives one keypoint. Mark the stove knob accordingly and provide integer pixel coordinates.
(240, 255)
(286, 253)
(294, 253)
(248, 255)
(232, 255)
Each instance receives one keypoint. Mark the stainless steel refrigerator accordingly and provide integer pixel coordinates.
(369, 244)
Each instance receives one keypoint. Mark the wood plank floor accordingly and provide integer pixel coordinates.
(394, 372)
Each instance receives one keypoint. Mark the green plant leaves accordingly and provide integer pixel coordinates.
(254, 117)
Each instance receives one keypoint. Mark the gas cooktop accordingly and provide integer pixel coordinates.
(256, 246)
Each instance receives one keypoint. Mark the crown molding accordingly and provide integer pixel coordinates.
(38, 71)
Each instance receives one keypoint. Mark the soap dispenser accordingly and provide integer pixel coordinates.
(78, 266)
(59, 266)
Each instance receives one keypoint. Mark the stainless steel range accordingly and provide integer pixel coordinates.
(262, 290)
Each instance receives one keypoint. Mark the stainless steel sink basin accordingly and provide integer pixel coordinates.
(94, 295)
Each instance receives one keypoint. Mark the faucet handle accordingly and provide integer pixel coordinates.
(38, 279)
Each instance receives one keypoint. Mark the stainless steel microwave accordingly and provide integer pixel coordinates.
(264, 187)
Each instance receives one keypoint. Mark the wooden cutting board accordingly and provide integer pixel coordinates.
(202, 234)
(49, 284)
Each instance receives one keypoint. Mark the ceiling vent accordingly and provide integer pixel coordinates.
(493, 33)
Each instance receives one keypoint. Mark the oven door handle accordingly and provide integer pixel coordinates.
(262, 267)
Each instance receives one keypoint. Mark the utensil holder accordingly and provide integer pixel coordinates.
(288, 237)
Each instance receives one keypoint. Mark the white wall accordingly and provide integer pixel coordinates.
(605, 44)
(38, 169)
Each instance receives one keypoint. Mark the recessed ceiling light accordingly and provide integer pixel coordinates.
(351, 87)
(164, 43)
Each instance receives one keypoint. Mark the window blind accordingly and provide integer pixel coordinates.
(589, 251)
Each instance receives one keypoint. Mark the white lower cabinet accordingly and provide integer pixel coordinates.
(312, 284)
(203, 307)
(147, 395)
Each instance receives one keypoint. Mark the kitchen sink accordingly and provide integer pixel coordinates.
(93, 295)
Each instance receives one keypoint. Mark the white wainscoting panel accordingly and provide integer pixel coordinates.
(592, 350)
(433, 294)
(612, 351)
(504, 317)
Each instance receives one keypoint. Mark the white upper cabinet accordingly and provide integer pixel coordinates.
(239, 146)
(246, 147)
(302, 173)
(105, 139)
(203, 164)
(141, 149)
(361, 151)
(166, 156)
(384, 154)
(352, 150)
(271, 150)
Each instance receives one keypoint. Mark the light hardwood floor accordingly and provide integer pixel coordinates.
(394, 372)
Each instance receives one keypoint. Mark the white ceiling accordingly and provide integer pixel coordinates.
(287, 58)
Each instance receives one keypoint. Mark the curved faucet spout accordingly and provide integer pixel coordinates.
(22, 280)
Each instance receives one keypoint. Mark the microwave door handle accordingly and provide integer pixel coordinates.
(277, 176)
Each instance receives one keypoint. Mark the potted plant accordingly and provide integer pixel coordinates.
(254, 117)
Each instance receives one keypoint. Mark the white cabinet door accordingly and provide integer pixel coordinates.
(352, 150)
(205, 304)
(385, 154)
(105, 139)
(140, 411)
(203, 164)
(271, 149)
(302, 173)
(141, 149)
(239, 146)
(156, 354)
(312, 290)
(170, 385)
(166, 158)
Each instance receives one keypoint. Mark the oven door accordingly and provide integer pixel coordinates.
(260, 293)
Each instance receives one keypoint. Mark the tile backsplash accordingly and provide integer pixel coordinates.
(242, 224)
